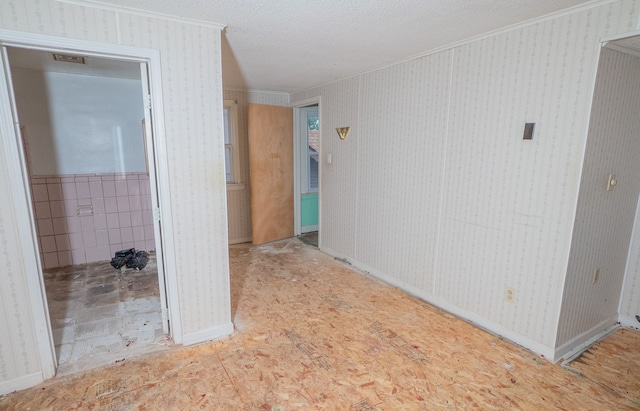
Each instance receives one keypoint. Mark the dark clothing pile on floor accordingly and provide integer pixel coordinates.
(131, 258)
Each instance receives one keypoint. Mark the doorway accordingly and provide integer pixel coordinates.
(89, 165)
(309, 159)
(307, 165)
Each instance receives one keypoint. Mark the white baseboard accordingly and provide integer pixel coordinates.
(209, 334)
(240, 240)
(578, 344)
(627, 321)
(479, 321)
(21, 383)
(308, 229)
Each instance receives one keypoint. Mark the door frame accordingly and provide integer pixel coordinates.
(16, 165)
(606, 42)
(297, 136)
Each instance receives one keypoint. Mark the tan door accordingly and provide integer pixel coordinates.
(271, 172)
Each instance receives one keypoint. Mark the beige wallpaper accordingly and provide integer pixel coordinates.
(406, 185)
(605, 219)
(437, 192)
(338, 190)
(192, 90)
(18, 352)
(239, 200)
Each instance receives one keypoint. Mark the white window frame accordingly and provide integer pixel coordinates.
(233, 145)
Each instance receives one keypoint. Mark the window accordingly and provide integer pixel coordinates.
(231, 149)
(313, 148)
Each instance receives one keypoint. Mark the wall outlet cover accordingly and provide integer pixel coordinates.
(509, 295)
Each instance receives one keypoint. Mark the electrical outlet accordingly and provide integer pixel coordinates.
(509, 295)
(612, 183)
(596, 275)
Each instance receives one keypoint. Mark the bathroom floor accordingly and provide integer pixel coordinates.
(309, 238)
(100, 315)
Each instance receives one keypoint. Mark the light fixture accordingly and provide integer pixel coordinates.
(65, 58)
(343, 132)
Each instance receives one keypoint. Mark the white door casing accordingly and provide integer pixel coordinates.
(10, 130)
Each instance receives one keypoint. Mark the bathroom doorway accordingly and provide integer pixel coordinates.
(90, 165)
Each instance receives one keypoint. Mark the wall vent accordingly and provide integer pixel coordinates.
(65, 58)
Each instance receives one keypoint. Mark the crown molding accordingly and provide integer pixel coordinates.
(140, 12)
(489, 34)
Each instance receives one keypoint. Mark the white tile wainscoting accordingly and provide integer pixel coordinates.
(85, 218)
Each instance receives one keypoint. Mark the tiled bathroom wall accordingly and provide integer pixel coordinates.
(86, 218)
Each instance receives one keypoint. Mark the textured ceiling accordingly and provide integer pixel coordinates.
(631, 43)
(290, 45)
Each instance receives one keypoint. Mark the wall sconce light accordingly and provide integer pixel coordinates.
(343, 132)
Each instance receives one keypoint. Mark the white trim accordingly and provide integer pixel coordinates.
(614, 37)
(89, 48)
(152, 57)
(240, 240)
(297, 211)
(140, 12)
(630, 251)
(21, 383)
(152, 168)
(320, 170)
(234, 141)
(574, 210)
(622, 49)
(516, 26)
(473, 318)
(297, 132)
(209, 334)
(628, 322)
(25, 221)
(306, 102)
(164, 195)
(578, 344)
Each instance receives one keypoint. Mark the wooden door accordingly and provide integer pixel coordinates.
(271, 172)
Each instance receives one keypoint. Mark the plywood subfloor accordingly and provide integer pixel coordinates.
(314, 334)
(614, 364)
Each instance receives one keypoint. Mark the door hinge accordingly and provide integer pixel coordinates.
(147, 102)
(156, 214)
(165, 314)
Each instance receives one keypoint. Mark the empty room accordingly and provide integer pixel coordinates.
(346, 205)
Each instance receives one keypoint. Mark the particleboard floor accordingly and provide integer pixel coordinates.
(314, 334)
(614, 364)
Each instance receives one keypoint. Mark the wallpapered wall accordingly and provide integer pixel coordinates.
(192, 91)
(618, 97)
(239, 198)
(604, 219)
(435, 190)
